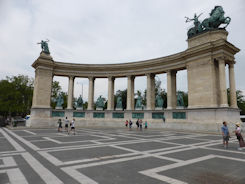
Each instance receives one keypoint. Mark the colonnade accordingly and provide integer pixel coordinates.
(171, 89)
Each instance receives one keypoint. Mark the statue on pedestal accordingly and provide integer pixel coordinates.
(44, 46)
(119, 103)
(159, 102)
(100, 103)
(213, 22)
(59, 102)
(180, 100)
(138, 105)
(80, 103)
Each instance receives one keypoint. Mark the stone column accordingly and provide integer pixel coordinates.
(70, 92)
(171, 90)
(233, 98)
(222, 83)
(150, 92)
(130, 93)
(91, 94)
(110, 104)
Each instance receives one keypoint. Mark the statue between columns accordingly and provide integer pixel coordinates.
(100, 103)
(180, 100)
(119, 103)
(159, 102)
(59, 102)
(138, 105)
(79, 103)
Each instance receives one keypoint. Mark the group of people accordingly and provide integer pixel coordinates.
(139, 124)
(67, 124)
(226, 135)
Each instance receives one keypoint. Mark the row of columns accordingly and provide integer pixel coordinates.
(171, 90)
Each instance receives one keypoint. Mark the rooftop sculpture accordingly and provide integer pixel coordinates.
(44, 46)
(213, 22)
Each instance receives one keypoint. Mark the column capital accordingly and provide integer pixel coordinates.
(91, 78)
(111, 78)
(131, 76)
(150, 75)
(171, 71)
(71, 77)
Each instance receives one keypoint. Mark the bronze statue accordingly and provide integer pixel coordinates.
(59, 101)
(213, 22)
(80, 102)
(159, 101)
(180, 100)
(138, 104)
(44, 46)
(119, 103)
(100, 102)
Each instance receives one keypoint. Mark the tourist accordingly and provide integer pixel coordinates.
(66, 125)
(130, 124)
(239, 137)
(225, 134)
(146, 125)
(126, 123)
(73, 126)
(140, 124)
(137, 124)
(59, 125)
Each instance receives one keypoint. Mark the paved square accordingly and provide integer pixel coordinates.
(109, 156)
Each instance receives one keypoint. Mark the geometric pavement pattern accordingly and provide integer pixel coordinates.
(118, 156)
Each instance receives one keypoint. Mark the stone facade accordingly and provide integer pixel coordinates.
(205, 61)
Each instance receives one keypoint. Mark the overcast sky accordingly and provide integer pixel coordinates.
(107, 31)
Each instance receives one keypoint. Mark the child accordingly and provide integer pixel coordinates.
(140, 124)
(126, 123)
(66, 125)
(146, 125)
(59, 125)
(73, 126)
(130, 124)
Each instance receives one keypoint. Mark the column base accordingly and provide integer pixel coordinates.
(224, 105)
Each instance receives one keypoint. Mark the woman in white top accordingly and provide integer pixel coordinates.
(239, 136)
(73, 126)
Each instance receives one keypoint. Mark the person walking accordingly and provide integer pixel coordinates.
(137, 124)
(130, 124)
(146, 125)
(140, 124)
(73, 126)
(126, 123)
(66, 125)
(239, 137)
(59, 125)
(225, 134)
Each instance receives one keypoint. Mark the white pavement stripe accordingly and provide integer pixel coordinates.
(166, 179)
(12, 141)
(30, 132)
(8, 162)
(15, 176)
(81, 178)
(52, 140)
(32, 146)
(42, 171)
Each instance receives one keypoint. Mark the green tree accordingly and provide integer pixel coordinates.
(16, 95)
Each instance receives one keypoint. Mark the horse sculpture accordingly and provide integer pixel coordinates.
(216, 19)
(213, 22)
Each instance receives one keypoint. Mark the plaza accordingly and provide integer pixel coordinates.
(118, 155)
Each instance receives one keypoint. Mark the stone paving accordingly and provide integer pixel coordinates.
(118, 156)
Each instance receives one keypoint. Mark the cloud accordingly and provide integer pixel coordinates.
(106, 31)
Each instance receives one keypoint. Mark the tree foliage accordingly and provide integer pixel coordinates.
(16, 95)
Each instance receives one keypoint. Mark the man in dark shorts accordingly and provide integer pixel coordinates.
(59, 125)
(225, 134)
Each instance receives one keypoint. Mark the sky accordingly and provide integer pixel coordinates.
(107, 31)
